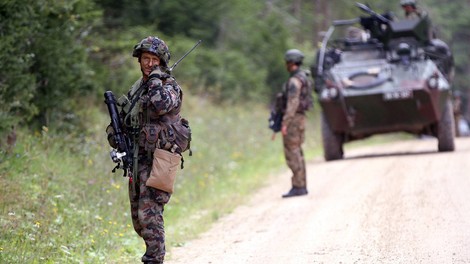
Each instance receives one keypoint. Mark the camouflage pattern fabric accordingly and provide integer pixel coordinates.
(161, 107)
(293, 150)
(416, 14)
(295, 122)
(413, 15)
(159, 104)
(164, 93)
(147, 205)
(153, 45)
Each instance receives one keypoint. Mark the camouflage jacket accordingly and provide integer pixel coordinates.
(298, 95)
(153, 110)
(416, 14)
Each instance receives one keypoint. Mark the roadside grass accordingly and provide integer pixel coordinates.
(60, 202)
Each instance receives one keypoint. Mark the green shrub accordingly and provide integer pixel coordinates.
(62, 204)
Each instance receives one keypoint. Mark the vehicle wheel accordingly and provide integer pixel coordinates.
(446, 129)
(332, 142)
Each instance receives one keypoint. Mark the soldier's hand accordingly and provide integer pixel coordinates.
(110, 133)
(284, 130)
(273, 137)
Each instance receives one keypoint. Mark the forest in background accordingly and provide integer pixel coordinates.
(60, 201)
(55, 51)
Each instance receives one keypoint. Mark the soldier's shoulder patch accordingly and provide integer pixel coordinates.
(293, 85)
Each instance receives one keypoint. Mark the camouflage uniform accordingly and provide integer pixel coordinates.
(411, 10)
(151, 118)
(415, 14)
(160, 127)
(294, 120)
(147, 205)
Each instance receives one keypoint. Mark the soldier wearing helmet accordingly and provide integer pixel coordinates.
(411, 10)
(297, 95)
(150, 50)
(151, 118)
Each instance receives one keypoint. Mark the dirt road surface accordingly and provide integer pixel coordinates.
(396, 203)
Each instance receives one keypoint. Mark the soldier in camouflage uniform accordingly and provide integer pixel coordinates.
(151, 118)
(297, 94)
(411, 10)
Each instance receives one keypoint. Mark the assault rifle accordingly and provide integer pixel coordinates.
(123, 152)
(276, 114)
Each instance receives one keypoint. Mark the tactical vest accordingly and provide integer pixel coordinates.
(306, 99)
(150, 128)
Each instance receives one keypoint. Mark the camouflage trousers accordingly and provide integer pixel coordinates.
(293, 150)
(147, 205)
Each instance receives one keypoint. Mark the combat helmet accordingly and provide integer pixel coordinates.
(153, 45)
(294, 55)
(408, 2)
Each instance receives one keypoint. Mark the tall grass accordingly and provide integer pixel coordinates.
(60, 203)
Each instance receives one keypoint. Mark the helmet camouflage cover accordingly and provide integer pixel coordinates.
(153, 45)
(293, 55)
(407, 2)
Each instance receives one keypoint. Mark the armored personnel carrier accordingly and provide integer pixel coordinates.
(383, 76)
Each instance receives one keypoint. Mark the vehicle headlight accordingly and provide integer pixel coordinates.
(333, 92)
(433, 82)
(329, 93)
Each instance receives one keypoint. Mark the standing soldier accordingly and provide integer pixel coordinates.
(297, 94)
(151, 119)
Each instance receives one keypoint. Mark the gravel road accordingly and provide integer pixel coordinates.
(402, 202)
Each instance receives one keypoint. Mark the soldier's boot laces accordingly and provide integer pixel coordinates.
(295, 191)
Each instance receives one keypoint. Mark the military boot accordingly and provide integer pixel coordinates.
(295, 191)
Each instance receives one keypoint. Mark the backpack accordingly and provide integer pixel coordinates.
(306, 98)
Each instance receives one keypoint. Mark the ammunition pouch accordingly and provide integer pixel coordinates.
(182, 134)
(124, 103)
(149, 137)
(173, 137)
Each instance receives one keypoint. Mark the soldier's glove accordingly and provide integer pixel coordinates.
(159, 73)
(110, 133)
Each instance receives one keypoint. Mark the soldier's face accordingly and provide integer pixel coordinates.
(408, 8)
(290, 66)
(147, 61)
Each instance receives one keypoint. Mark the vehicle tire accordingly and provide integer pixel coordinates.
(332, 142)
(446, 129)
